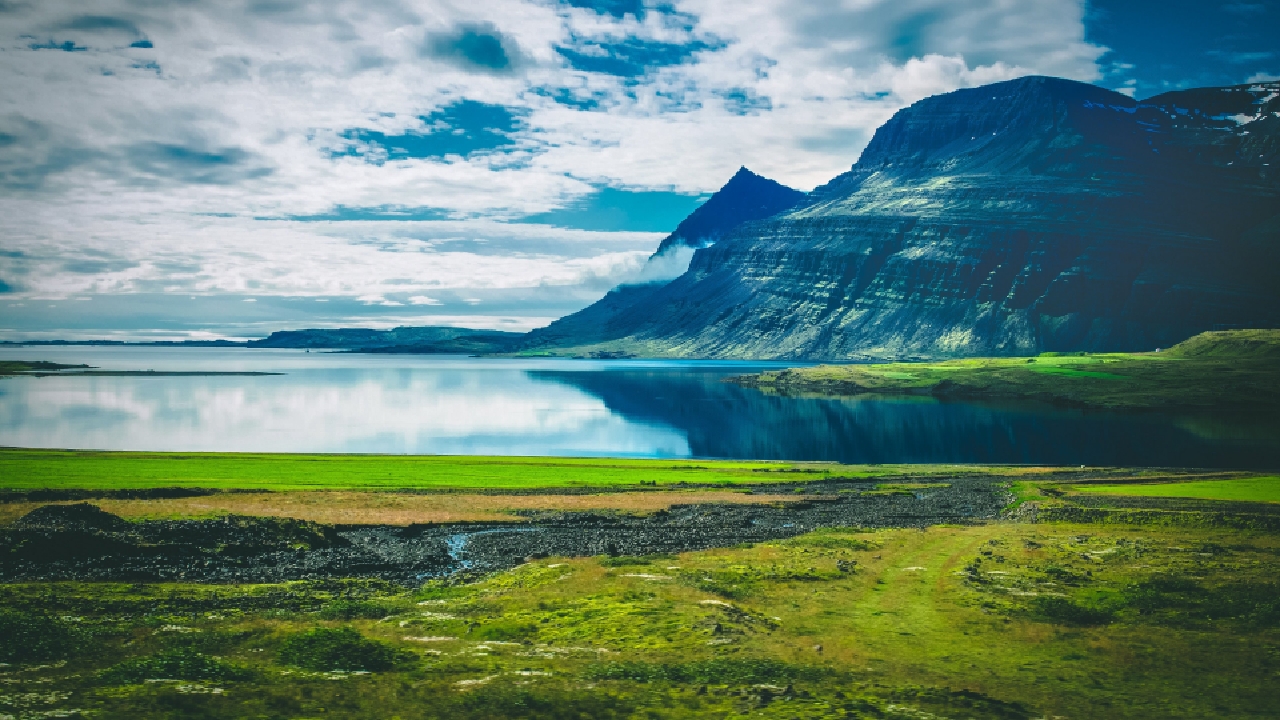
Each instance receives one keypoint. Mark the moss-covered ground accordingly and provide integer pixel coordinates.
(1005, 620)
(1237, 369)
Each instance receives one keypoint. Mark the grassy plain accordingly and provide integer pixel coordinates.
(1252, 489)
(1171, 618)
(66, 469)
(995, 621)
(1235, 369)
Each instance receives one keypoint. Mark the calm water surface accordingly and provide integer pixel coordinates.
(328, 402)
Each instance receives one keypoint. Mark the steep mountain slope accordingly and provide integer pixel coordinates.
(1032, 215)
(744, 198)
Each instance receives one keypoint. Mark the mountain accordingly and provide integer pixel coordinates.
(401, 339)
(746, 197)
(1032, 215)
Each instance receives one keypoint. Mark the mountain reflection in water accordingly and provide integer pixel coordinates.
(432, 404)
(724, 420)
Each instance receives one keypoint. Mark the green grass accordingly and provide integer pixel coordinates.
(1237, 369)
(1008, 621)
(1254, 489)
(62, 469)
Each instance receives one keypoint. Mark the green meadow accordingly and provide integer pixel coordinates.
(1057, 611)
(1254, 489)
(1216, 371)
(23, 469)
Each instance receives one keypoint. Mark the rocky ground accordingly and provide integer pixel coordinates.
(82, 542)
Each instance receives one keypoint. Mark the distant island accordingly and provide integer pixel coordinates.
(43, 368)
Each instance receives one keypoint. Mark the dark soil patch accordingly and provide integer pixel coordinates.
(81, 542)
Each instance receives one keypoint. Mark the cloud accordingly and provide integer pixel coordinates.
(529, 154)
(183, 164)
(745, 101)
(98, 23)
(665, 266)
(477, 47)
(65, 46)
(615, 8)
(631, 57)
(1241, 58)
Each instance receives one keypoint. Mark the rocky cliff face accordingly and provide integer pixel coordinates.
(1032, 215)
(744, 198)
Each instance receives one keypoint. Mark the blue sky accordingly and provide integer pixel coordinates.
(228, 168)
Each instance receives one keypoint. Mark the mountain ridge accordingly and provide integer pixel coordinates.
(744, 198)
(1037, 214)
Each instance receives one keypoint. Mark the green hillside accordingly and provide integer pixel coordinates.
(1234, 369)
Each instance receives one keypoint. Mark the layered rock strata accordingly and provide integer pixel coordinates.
(1032, 215)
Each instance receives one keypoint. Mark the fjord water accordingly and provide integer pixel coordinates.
(344, 403)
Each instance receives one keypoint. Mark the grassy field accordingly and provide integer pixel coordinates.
(1176, 617)
(1254, 489)
(1237, 369)
(60, 469)
(997, 621)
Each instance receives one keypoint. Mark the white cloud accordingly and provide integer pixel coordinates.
(145, 169)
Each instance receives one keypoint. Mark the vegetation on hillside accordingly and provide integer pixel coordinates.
(1235, 369)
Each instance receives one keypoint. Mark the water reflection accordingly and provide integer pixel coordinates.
(405, 404)
(325, 403)
(723, 420)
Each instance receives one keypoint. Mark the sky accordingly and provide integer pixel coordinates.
(177, 169)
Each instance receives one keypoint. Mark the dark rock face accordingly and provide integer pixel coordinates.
(1032, 215)
(746, 197)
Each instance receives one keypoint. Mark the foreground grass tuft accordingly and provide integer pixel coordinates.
(178, 664)
(344, 649)
(31, 637)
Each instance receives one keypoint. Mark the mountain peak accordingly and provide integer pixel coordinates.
(1030, 215)
(747, 196)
